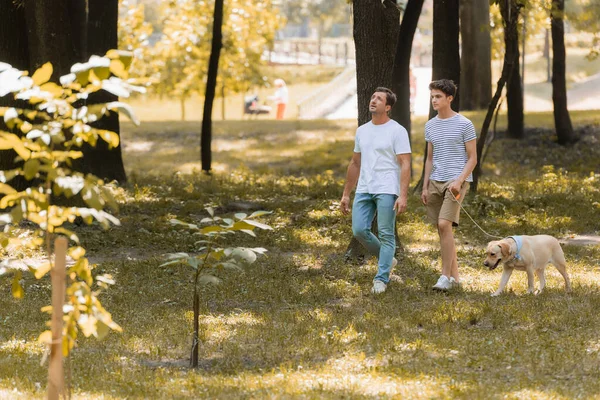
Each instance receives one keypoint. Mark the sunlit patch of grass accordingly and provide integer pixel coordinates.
(301, 322)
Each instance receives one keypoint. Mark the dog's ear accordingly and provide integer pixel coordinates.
(504, 248)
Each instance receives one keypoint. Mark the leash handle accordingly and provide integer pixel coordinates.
(471, 218)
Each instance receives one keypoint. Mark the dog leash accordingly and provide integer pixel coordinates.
(468, 215)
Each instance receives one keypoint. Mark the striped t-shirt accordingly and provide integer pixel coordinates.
(448, 137)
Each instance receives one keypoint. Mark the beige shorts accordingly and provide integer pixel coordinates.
(441, 203)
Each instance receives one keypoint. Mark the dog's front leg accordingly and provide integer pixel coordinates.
(530, 281)
(504, 280)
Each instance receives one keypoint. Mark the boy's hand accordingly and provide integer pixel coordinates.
(454, 187)
(424, 196)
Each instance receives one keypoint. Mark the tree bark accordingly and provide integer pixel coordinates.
(446, 55)
(211, 84)
(562, 120)
(50, 35)
(508, 68)
(514, 89)
(376, 28)
(14, 51)
(476, 58)
(401, 68)
(101, 36)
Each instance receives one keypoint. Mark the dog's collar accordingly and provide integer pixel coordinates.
(519, 242)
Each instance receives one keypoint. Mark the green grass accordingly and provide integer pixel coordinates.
(300, 322)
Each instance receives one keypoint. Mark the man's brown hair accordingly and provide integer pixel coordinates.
(444, 85)
(390, 97)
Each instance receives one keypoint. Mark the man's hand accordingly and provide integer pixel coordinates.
(345, 205)
(400, 205)
(454, 187)
(424, 196)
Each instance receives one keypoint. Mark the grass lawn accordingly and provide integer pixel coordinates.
(300, 322)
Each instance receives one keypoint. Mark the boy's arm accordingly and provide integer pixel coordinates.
(428, 168)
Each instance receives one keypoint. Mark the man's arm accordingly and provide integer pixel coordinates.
(351, 180)
(471, 147)
(428, 168)
(401, 202)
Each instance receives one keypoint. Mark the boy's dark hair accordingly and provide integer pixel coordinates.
(390, 97)
(445, 85)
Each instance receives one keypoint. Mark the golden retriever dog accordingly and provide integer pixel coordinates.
(526, 253)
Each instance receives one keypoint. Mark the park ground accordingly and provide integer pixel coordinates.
(300, 322)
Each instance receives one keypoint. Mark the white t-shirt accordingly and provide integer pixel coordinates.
(448, 137)
(281, 95)
(378, 146)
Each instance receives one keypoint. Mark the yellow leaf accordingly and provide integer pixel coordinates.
(11, 141)
(76, 252)
(118, 69)
(109, 137)
(45, 337)
(6, 189)
(87, 323)
(43, 74)
(53, 88)
(17, 290)
(42, 270)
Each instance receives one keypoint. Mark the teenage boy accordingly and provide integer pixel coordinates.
(381, 165)
(451, 158)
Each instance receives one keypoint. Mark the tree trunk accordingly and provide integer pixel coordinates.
(182, 104)
(476, 66)
(211, 83)
(223, 101)
(514, 89)
(376, 28)
(547, 56)
(562, 120)
(50, 35)
(446, 55)
(196, 338)
(507, 70)
(401, 69)
(101, 33)
(14, 51)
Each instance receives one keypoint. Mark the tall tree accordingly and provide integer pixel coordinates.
(51, 35)
(446, 54)
(401, 69)
(211, 84)
(376, 28)
(510, 9)
(476, 54)
(101, 33)
(14, 50)
(562, 120)
(507, 69)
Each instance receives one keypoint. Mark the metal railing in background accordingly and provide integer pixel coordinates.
(327, 98)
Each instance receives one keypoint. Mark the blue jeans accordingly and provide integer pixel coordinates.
(363, 212)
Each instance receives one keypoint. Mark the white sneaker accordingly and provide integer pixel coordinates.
(378, 287)
(455, 284)
(443, 284)
(394, 262)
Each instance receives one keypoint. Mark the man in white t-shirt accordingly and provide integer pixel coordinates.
(381, 166)
(451, 158)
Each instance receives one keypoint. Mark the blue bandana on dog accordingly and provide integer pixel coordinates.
(519, 241)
